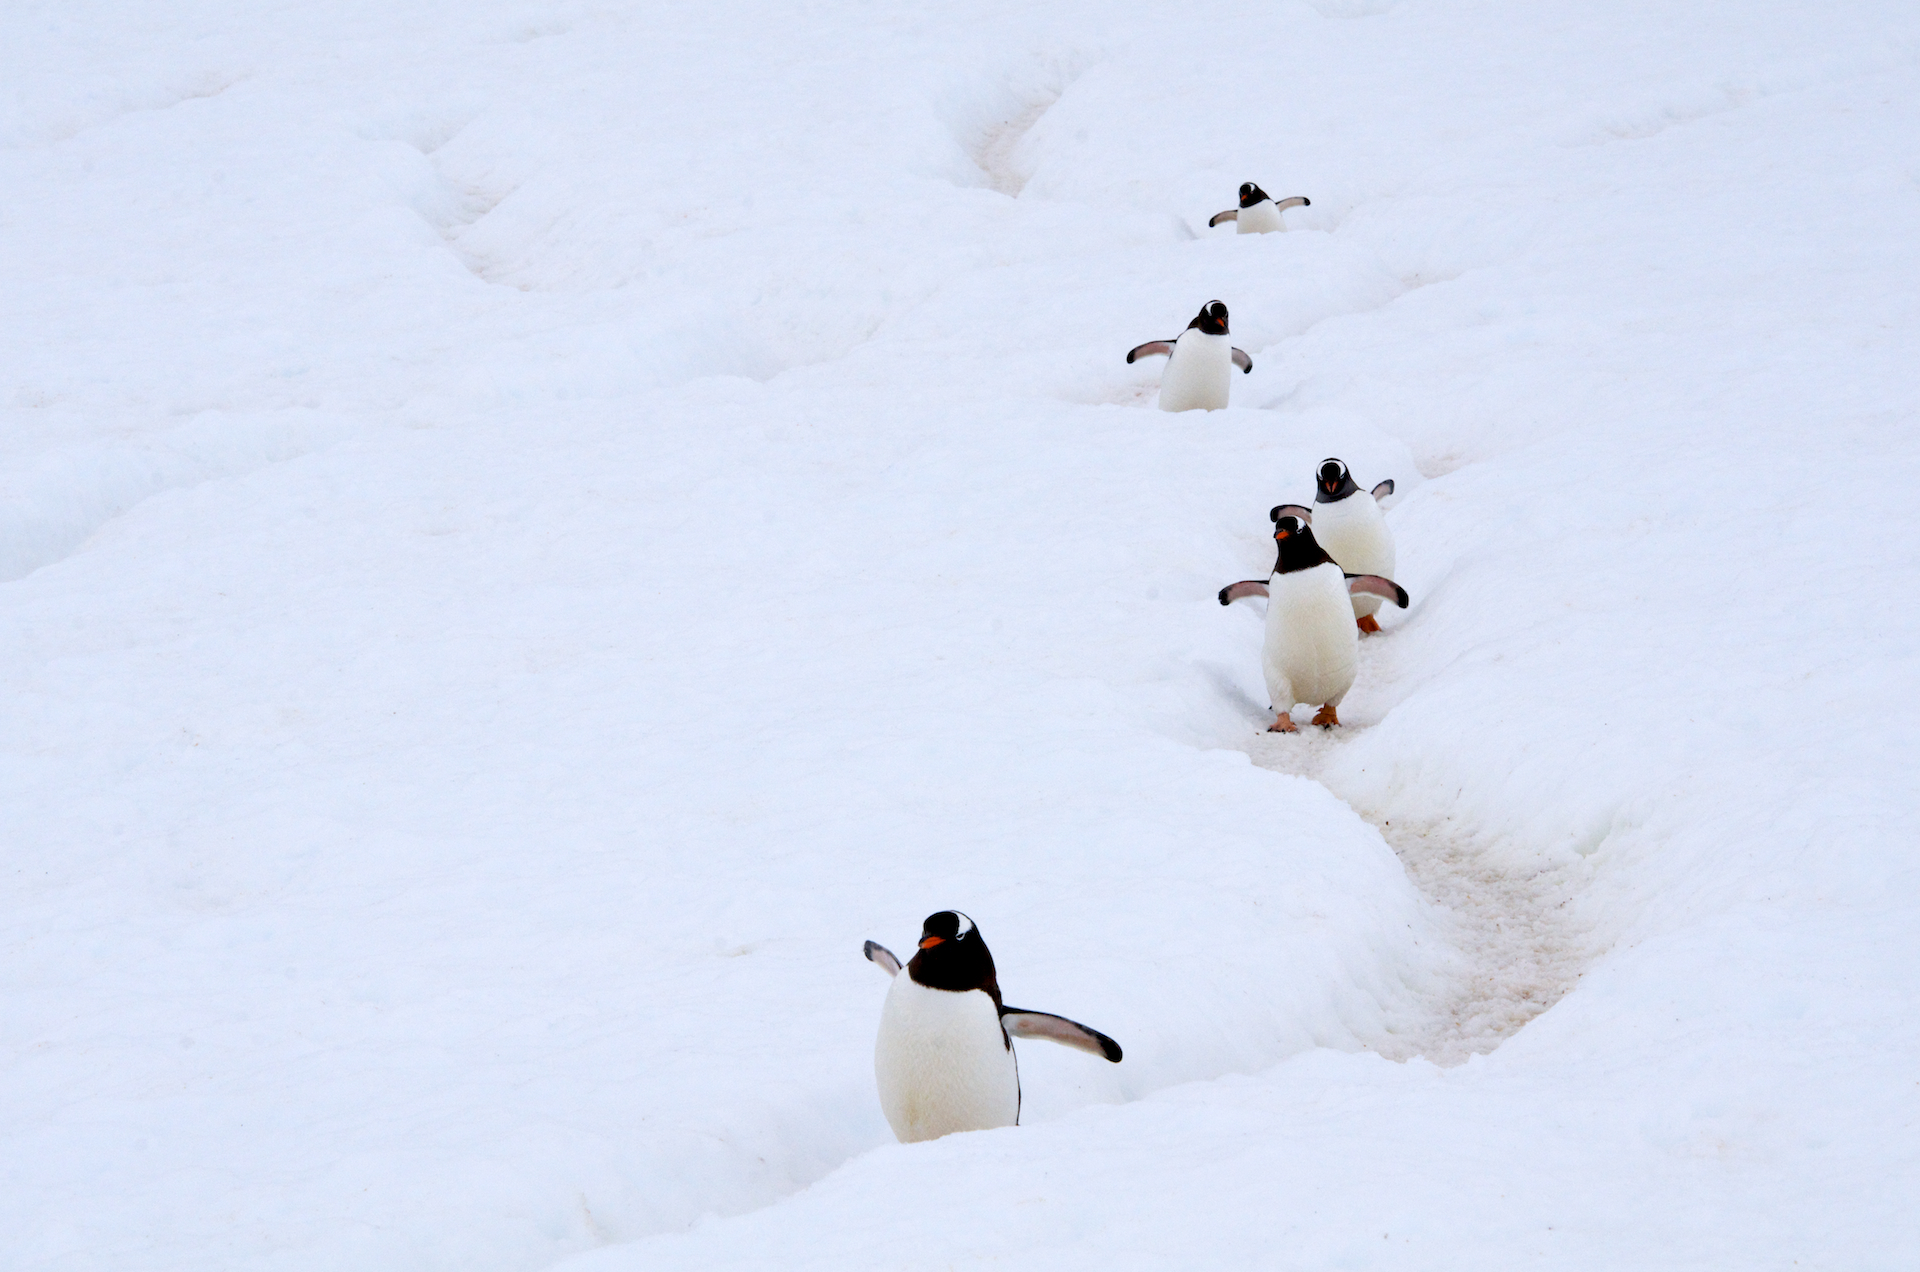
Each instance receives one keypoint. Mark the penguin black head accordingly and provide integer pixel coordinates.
(1335, 482)
(1299, 550)
(1212, 319)
(952, 956)
(1251, 194)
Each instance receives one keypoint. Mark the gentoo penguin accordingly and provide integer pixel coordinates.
(1347, 522)
(944, 1058)
(1257, 213)
(1311, 646)
(1199, 362)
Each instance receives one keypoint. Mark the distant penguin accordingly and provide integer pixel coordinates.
(944, 1058)
(1200, 362)
(1311, 648)
(1257, 213)
(1347, 522)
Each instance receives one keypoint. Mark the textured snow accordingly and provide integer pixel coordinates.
(529, 531)
(1519, 936)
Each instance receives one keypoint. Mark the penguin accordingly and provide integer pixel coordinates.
(1198, 362)
(944, 1058)
(1258, 213)
(1312, 645)
(1348, 524)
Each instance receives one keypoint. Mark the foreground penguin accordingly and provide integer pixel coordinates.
(1200, 362)
(1311, 647)
(944, 1058)
(1257, 213)
(1347, 522)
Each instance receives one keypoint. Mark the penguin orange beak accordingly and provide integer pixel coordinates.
(1281, 534)
(932, 941)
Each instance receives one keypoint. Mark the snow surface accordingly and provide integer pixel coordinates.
(530, 531)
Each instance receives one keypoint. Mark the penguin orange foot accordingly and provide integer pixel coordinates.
(1348, 523)
(1311, 647)
(1368, 623)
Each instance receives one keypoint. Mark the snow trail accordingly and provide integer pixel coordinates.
(996, 151)
(1519, 934)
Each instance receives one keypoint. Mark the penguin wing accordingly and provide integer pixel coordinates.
(1228, 595)
(1221, 218)
(1384, 489)
(1297, 201)
(1241, 360)
(1374, 585)
(881, 955)
(1291, 510)
(1021, 1023)
(1150, 348)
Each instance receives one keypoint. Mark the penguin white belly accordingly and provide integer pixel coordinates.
(1354, 533)
(1198, 374)
(1261, 218)
(943, 1063)
(1312, 646)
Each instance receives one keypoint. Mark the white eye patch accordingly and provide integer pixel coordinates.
(966, 925)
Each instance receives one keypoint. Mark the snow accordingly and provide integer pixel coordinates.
(531, 531)
(1520, 937)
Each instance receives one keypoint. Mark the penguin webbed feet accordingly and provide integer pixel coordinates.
(1283, 724)
(1326, 717)
(1368, 624)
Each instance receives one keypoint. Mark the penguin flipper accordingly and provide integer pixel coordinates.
(883, 957)
(1150, 348)
(1236, 591)
(1297, 201)
(1374, 585)
(1221, 218)
(1241, 360)
(1384, 489)
(1291, 510)
(1021, 1023)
